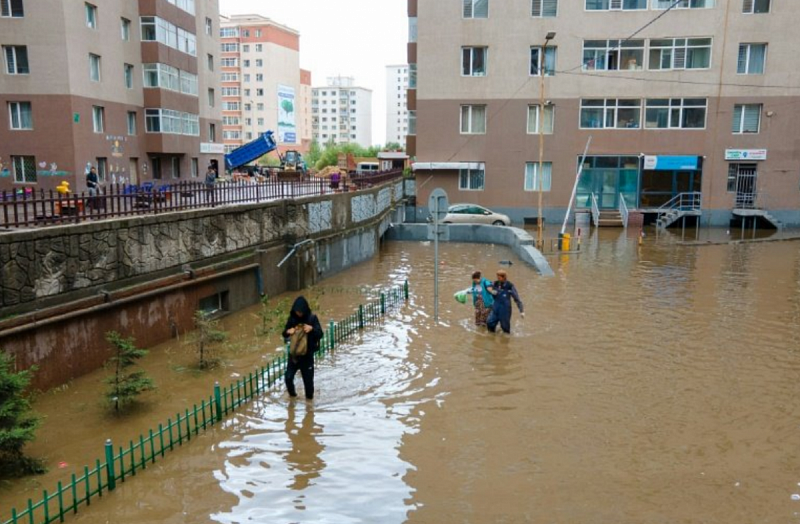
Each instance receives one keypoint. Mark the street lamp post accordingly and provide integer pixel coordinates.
(540, 175)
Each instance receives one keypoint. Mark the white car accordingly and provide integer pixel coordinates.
(474, 214)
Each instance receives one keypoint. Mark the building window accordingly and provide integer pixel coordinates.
(613, 55)
(746, 118)
(21, 116)
(755, 6)
(259, 77)
(259, 63)
(752, 58)
(210, 60)
(675, 113)
(258, 33)
(125, 29)
(231, 106)
(412, 123)
(536, 61)
(98, 119)
(473, 120)
(129, 76)
(212, 132)
(260, 106)
(16, 59)
(230, 91)
(260, 122)
(747, 174)
(245, 48)
(473, 61)
(259, 92)
(683, 4)
(544, 8)
(195, 166)
(155, 29)
(94, 68)
(176, 167)
(412, 76)
(532, 179)
(476, 8)
(91, 16)
(24, 169)
(533, 119)
(230, 62)
(209, 27)
(680, 53)
(211, 98)
(611, 113)
(246, 63)
(228, 32)
(11, 8)
(412, 29)
(471, 179)
(170, 122)
(230, 47)
(102, 168)
(247, 77)
(131, 123)
(616, 5)
(171, 78)
(259, 48)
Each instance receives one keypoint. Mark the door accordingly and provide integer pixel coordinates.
(134, 171)
(746, 175)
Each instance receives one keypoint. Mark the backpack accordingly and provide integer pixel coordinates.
(298, 343)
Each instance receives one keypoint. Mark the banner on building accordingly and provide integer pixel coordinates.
(745, 154)
(287, 126)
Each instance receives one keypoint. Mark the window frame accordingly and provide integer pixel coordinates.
(7, 6)
(686, 48)
(470, 109)
(547, 181)
(738, 128)
(752, 10)
(25, 176)
(542, 9)
(98, 119)
(548, 72)
(95, 60)
(688, 4)
(538, 119)
(471, 4)
(612, 8)
(128, 75)
(469, 172)
(15, 108)
(671, 107)
(90, 10)
(611, 107)
(613, 48)
(749, 46)
(15, 50)
(471, 50)
(131, 124)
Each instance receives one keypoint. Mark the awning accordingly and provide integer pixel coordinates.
(449, 166)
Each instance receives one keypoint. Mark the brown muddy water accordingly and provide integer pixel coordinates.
(647, 384)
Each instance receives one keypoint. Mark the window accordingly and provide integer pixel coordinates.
(613, 55)
(259, 77)
(125, 29)
(752, 58)
(102, 168)
(746, 118)
(230, 91)
(246, 48)
(209, 27)
(16, 59)
(195, 168)
(231, 135)
(229, 62)
(675, 113)
(259, 63)
(230, 77)
(532, 179)
(258, 33)
(476, 8)
(536, 60)
(259, 92)
(412, 29)
(471, 179)
(171, 78)
(188, 83)
(246, 63)
(544, 8)
(259, 48)
(131, 123)
(247, 77)
(473, 61)
(247, 107)
(94, 68)
(230, 120)
(245, 33)
(260, 106)
(176, 167)
(473, 120)
(412, 76)
(753, 6)
(533, 119)
(228, 32)
(91, 16)
(155, 29)
(260, 122)
(747, 173)
(611, 113)
(20, 115)
(129, 76)
(210, 60)
(211, 98)
(615, 5)
(680, 53)
(412, 123)
(168, 121)
(98, 119)
(24, 169)
(248, 136)
(231, 106)
(683, 4)
(11, 8)
(230, 47)
(212, 132)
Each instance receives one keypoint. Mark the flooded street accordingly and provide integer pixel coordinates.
(647, 384)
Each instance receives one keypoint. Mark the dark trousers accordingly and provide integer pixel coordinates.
(502, 316)
(306, 367)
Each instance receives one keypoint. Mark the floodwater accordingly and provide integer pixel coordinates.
(646, 384)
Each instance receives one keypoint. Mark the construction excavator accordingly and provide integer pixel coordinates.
(292, 164)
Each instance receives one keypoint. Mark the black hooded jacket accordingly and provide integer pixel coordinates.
(307, 317)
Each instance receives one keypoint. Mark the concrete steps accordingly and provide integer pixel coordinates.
(610, 219)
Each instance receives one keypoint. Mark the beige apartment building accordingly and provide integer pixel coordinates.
(702, 101)
(262, 83)
(126, 86)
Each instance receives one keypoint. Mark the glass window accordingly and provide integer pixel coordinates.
(746, 118)
(209, 27)
(125, 29)
(752, 58)
(412, 29)
(155, 29)
(16, 59)
(675, 113)
(611, 113)
(680, 53)
(228, 32)
(91, 16)
(11, 8)
(471, 179)
(210, 60)
(259, 48)
(536, 60)
(533, 119)
(98, 119)
(616, 5)
(129, 76)
(683, 4)
(613, 55)
(544, 8)
(755, 6)
(473, 61)
(246, 48)
(24, 169)
(473, 120)
(131, 122)
(532, 179)
(195, 168)
(475, 9)
(21, 115)
(211, 98)
(94, 68)
(412, 76)
(412, 123)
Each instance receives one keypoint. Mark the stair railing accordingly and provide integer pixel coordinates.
(623, 210)
(595, 210)
(682, 202)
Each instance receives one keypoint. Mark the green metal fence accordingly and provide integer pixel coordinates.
(132, 459)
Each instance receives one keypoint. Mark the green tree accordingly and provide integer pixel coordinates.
(393, 146)
(287, 106)
(272, 318)
(18, 423)
(314, 153)
(125, 385)
(207, 336)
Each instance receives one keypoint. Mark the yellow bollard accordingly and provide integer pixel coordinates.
(565, 242)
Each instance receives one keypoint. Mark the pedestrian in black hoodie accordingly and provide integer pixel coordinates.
(301, 317)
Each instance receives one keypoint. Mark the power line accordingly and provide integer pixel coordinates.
(687, 82)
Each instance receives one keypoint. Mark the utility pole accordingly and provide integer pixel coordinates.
(540, 175)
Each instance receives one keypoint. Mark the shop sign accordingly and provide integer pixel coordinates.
(745, 154)
(210, 148)
(670, 163)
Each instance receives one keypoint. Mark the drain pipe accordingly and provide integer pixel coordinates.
(294, 248)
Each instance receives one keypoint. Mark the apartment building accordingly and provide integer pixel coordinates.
(702, 100)
(127, 87)
(261, 81)
(341, 112)
(305, 126)
(396, 103)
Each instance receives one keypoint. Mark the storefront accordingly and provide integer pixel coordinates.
(743, 175)
(608, 177)
(664, 177)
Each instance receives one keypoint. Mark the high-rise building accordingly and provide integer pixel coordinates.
(306, 135)
(261, 81)
(342, 113)
(396, 104)
(697, 109)
(127, 87)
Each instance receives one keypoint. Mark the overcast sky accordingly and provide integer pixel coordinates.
(356, 38)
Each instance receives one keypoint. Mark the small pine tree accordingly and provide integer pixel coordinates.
(206, 336)
(124, 386)
(272, 318)
(18, 423)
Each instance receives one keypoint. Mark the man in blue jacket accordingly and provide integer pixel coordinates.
(503, 291)
(301, 317)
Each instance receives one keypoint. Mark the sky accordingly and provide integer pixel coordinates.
(357, 38)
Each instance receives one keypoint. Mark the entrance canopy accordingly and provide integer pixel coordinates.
(447, 166)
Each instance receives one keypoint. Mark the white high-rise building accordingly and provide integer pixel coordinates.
(341, 112)
(396, 104)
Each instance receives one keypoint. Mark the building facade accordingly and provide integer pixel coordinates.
(304, 124)
(699, 101)
(397, 104)
(127, 87)
(341, 113)
(261, 81)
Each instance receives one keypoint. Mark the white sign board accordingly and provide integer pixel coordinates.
(745, 154)
(438, 204)
(212, 148)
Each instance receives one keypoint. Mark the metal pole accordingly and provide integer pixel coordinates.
(755, 221)
(436, 227)
(111, 477)
(683, 228)
(542, 68)
(575, 186)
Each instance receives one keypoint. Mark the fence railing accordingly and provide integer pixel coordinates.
(132, 459)
(23, 208)
(624, 213)
(595, 210)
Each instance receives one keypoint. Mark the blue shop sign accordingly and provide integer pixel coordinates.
(671, 163)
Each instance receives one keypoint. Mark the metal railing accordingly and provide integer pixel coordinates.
(140, 453)
(623, 210)
(595, 210)
(691, 201)
(23, 208)
(755, 200)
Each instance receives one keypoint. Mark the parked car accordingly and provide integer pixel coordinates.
(474, 214)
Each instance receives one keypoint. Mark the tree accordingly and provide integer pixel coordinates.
(287, 106)
(314, 152)
(272, 318)
(206, 336)
(393, 146)
(18, 423)
(124, 386)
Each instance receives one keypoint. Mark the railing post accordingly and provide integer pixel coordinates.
(360, 316)
(218, 401)
(405, 290)
(383, 304)
(110, 476)
(332, 336)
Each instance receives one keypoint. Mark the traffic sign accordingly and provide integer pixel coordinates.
(438, 204)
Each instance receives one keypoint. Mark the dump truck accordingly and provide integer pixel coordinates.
(251, 151)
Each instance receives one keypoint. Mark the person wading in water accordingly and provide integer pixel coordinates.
(503, 292)
(301, 317)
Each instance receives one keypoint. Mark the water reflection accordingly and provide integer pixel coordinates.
(304, 454)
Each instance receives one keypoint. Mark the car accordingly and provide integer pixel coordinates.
(474, 214)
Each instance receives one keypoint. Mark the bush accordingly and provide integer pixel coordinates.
(18, 423)
(125, 386)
